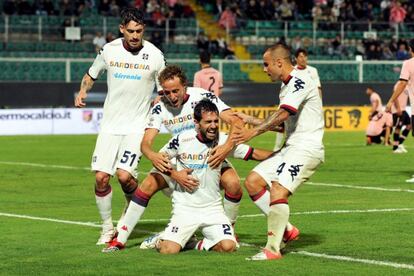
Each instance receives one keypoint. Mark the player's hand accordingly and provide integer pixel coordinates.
(161, 161)
(79, 99)
(217, 155)
(185, 179)
(242, 135)
(388, 107)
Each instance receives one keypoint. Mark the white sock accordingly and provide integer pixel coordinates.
(276, 224)
(104, 204)
(231, 208)
(262, 200)
(131, 218)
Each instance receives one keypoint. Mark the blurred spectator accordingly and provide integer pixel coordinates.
(286, 10)
(156, 39)
(114, 8)
(50, 7)
(139, 4)
(252, 11)
(317, 13)
(387, 54)
(397, 15)
(9, 7)
(158, 18)
(98, 41)
(104, 8)
(296, 43)
(265, 10)
(109, 37)
(203, 42)
(402, 53)
(385, 9)
(228, 19)
(66, 8)
(24, 8)
(218, 7)
(336, 47)
(371, 53)
(151, 6)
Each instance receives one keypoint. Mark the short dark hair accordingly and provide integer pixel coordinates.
(283, 49)
(172, 71)
(299, 51)
(132, 14)
(205, 57)
(205, 105)
(411, 44)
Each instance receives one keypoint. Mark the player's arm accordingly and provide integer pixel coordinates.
(261, 154)
(251, 120)
(86, 85)
(219, 153)
(242, 134)
(399, 88)
(160, 160)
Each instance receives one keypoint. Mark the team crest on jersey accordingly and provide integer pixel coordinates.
(174, 144)
(193, 104)
(145, 56)
(210, 96)
(298, 84)
(156, 109)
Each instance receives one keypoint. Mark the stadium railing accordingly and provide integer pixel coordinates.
(72, 70)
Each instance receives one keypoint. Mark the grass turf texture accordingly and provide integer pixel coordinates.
(45, 247)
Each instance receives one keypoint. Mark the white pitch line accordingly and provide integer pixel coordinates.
(307, 183)
(359, 187)
(337, 212)
(355, 260)
(305, 253)
(44, 165)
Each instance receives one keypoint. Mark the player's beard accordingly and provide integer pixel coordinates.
(208, 137)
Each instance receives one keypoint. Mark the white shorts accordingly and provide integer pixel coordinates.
(174, 186)
(290, 167)
(114, 152)
(213, 223)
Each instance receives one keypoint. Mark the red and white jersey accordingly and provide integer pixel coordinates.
(377, 124)
(191, 152)
(209, 79)
(313, 73)
(402, 102)
(304, 128)
(177, 120)
(131, 79)
(376, 98)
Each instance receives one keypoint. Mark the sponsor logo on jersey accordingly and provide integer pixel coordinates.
(178, 120)
(125, 65)
(127, 77)
(193, 156)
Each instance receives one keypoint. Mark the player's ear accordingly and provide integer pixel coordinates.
(121, 28)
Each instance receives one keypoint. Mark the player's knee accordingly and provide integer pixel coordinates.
(225, 246)
(231, 184)
(124, 177)
(102, 180)
(252, 183)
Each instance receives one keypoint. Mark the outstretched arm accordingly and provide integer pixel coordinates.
(242, 135)
(86, 85)
(160, 160)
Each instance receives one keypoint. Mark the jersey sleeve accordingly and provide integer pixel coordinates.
(98, 66)
(297, 92)
(156, 117)
(405, 71)
(221, 106)
(242, 151)
(317, 79)
(171, 148)
(161, 65)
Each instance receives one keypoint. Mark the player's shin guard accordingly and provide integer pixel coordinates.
(104, 204)
(135, 210)
(396, 138)
(276, 223)
(262, 200)
(231, 204)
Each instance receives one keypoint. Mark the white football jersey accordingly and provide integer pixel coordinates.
(305, 126)
(131, 79)
(313, 73)
(193, 153)
(177, 120)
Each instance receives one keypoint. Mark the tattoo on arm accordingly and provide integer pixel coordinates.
(274, 120)
(86, 83)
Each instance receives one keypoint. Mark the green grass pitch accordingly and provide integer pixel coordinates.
(356, 215)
